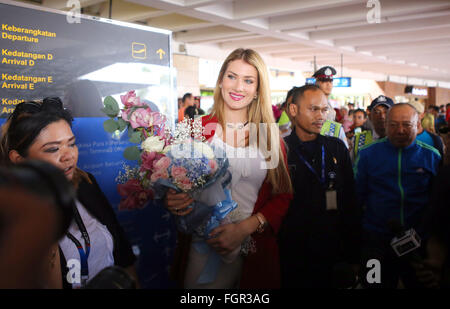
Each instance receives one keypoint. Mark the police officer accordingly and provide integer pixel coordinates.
(377, 116)
(322, 226)
(324, 80)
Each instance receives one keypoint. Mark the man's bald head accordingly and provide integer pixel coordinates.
(401, 125)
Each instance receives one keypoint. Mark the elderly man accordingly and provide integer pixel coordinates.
(394, 177)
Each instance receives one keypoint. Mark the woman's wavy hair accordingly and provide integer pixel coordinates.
(26, 123)
(259, 111)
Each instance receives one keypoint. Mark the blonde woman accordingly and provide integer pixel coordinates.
(242, 123)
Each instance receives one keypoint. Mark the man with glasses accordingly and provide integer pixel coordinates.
(322, 226)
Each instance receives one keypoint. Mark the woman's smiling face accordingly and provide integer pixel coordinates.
(239, 85)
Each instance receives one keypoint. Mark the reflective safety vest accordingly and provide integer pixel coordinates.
(362, 139)
(284, 119)
(331, 128)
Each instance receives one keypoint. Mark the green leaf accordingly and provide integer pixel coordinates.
(135, 137)
(110, 125)
(122, 124)
(109, 112)
(132, 153)
(111, 103)
(111, 107)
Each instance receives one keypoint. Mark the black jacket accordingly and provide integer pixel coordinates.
(93, 199)
(309, 230)
(438, 144)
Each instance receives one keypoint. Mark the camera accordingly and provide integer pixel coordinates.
(45, 181)
(406, 243)
(113, 278)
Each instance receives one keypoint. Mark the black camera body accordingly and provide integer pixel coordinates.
(44, 180)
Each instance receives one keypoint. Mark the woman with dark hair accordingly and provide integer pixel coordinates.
(191, 112)
(95, 240)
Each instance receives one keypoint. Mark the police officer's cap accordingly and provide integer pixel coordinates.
(325, 73)
(381, 100)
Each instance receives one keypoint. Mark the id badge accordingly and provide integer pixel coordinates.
(331, 200)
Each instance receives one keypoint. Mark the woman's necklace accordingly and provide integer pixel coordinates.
(237, 125)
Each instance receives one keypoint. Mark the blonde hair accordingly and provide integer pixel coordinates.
(259, 111)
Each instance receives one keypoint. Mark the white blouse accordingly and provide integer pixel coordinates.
(248, 173)
(102, 245)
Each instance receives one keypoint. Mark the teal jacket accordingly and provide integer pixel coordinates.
(394, 183)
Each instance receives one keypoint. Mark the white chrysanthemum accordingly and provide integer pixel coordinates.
(204, 149)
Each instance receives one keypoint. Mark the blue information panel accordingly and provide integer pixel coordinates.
(337, 81)
(43, 54)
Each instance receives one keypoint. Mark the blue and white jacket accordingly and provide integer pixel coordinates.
(394, 183)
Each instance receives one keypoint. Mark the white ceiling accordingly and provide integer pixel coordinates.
(412, 39)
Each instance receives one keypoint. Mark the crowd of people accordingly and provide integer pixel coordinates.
(399, 158)
(350, 187)
(358, 177)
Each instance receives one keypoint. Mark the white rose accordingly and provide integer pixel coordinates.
(153, 144)
(204, 149)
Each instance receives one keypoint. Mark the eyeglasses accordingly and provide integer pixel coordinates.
(33, 107)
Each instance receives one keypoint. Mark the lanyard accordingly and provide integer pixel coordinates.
(83, 255)
(322, 178)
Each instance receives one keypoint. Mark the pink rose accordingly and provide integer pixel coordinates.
(178, 171)
(159, 174)
(148, 159)
(213, 165)
(130, 99)
(183, 183)
(162, 164)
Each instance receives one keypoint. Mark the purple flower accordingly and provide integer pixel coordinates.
(135, 196)
(130, 99)
(145, 118)
(148, 158)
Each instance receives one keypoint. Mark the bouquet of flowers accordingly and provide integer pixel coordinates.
(181, 161)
